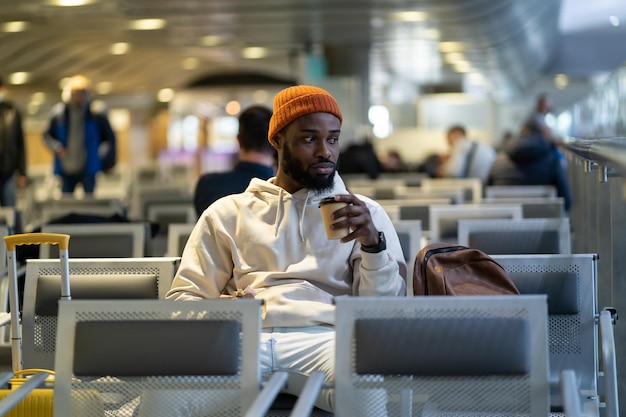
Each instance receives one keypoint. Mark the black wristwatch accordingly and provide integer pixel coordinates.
(381, 246)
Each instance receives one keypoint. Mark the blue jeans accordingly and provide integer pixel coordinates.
(70, 181)
(8, 191)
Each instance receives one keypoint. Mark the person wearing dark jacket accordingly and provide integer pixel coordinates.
(256, 160)
(81, 137)
(529, 159)
(12, 151)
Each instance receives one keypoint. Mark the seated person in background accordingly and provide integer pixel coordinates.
(430, 165)
(270, 242)
(360, 158)
(256, 159)
(467, 158)
(392, 162)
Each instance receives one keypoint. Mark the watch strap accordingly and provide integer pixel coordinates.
(379, 247)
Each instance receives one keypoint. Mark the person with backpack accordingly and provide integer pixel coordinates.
(80, 136)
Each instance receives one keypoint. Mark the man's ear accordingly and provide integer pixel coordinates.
(275, 142)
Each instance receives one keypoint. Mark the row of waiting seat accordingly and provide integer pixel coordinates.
(579, 336)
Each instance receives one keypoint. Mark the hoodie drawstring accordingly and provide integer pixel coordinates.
(279, 211)
(301, 222)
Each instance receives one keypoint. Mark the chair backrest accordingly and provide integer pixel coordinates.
(472, 187)
(570, 281)
(411, 209)
(444, 218)
(157, 358)
(497, 191)
(120, 278)
(410, 234)
(465, 355)
(516, 236)
(454, 195)
(177, 236)
(165, 214)
(57, 208)
(145, 195)
(100, 240)
(534, 207)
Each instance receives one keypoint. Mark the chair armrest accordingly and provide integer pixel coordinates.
(5, 318)
(607, 348)
(17, 395)
(306, 399)
(570, 394)
(266, 396)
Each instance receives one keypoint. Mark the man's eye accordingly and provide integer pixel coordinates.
(333, 140)
(309, 139)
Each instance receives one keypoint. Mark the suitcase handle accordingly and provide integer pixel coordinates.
(31, 371)
(60, 239)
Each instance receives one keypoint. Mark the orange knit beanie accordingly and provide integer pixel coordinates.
(300, 100)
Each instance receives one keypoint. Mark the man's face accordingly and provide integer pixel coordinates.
(308, 152)
(454, 136)
(544, 105)
(78, 97)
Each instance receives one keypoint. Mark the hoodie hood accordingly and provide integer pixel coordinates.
(303, 198)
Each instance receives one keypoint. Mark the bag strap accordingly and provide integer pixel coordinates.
(469, 158)
(432, 252)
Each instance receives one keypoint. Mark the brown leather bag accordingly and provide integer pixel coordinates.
(448, 269)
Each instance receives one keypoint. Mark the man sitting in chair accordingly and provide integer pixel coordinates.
(270, 242)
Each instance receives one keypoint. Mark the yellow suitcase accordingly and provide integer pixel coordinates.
(24, 400)
(20, 400)
(30, 392)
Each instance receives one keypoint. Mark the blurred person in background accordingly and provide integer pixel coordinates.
(467, 158)
(532, 157)
(81, 137)
(257, 158)
(12, 151)
(360, 158)
(392, 161)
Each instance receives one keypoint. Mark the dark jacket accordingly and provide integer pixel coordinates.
(530, 160)
(12, 148)
(215, 185)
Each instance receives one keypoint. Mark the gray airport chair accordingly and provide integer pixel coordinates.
(516, 236)
(177, 236)
(100, 240)
(580, 336)
(161, 358)
(465, 355)
(444, 218)
(120, 278)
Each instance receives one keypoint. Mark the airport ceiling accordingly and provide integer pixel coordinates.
(429, 44)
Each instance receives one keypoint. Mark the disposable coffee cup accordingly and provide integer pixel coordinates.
(328, 206)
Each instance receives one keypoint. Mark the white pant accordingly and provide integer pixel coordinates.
(300, 351)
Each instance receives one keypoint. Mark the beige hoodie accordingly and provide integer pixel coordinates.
(274, 242)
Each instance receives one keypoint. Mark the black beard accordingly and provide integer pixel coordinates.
(318, 184)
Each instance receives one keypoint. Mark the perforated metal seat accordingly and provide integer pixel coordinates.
(126, 278)
(575, 324)
(442, 356)
(160, 358)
